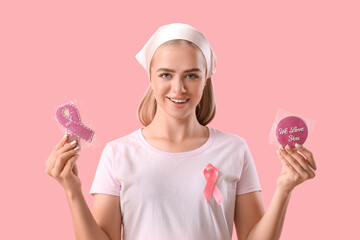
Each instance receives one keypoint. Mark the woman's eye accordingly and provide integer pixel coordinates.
(194, 76)
(164, 74)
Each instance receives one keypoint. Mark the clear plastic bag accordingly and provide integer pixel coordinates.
(69, 120)
(289, 128)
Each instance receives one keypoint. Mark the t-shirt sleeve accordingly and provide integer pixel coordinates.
(249, 181)
(104, 180)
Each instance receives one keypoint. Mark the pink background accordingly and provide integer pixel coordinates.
(299, 56)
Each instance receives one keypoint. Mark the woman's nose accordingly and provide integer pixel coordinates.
(178, 85)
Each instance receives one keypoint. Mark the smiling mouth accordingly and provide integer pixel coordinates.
(178, 100)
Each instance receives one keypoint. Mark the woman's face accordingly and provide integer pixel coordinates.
(178, 72)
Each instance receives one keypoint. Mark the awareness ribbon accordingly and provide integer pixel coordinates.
(68, 116)
(211, 184)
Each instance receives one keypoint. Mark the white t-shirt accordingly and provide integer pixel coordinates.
(162, 193)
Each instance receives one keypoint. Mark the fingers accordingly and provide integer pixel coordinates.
(50, 162)
(300, 158)
(66, 147)
(60, 155)
(309, 156)
(70, 165)
(298, 162)
(61, 142)
(285, 163)
(298, 168)
(61, 160)
(75, 169)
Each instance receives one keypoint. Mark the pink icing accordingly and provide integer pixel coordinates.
(291, 130)
(69, 117)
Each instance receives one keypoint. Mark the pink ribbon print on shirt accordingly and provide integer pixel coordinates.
(211, 187)
(68, 116)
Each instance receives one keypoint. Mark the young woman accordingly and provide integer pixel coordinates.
(155, 181)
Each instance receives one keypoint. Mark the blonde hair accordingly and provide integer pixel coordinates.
(205, 110)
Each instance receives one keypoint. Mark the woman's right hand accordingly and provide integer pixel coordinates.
(62, 167)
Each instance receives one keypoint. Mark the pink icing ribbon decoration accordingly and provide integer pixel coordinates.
(211, 184)
(68, 116)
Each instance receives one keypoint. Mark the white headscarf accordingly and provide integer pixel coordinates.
(177, 31)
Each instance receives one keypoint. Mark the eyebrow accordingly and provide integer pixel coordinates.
(170, 70)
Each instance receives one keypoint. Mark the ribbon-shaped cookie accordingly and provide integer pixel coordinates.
(211, 184)
(68, 116)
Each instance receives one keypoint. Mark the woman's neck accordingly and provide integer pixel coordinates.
(176, 130)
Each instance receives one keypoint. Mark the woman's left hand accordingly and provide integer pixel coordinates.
(295, 167)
